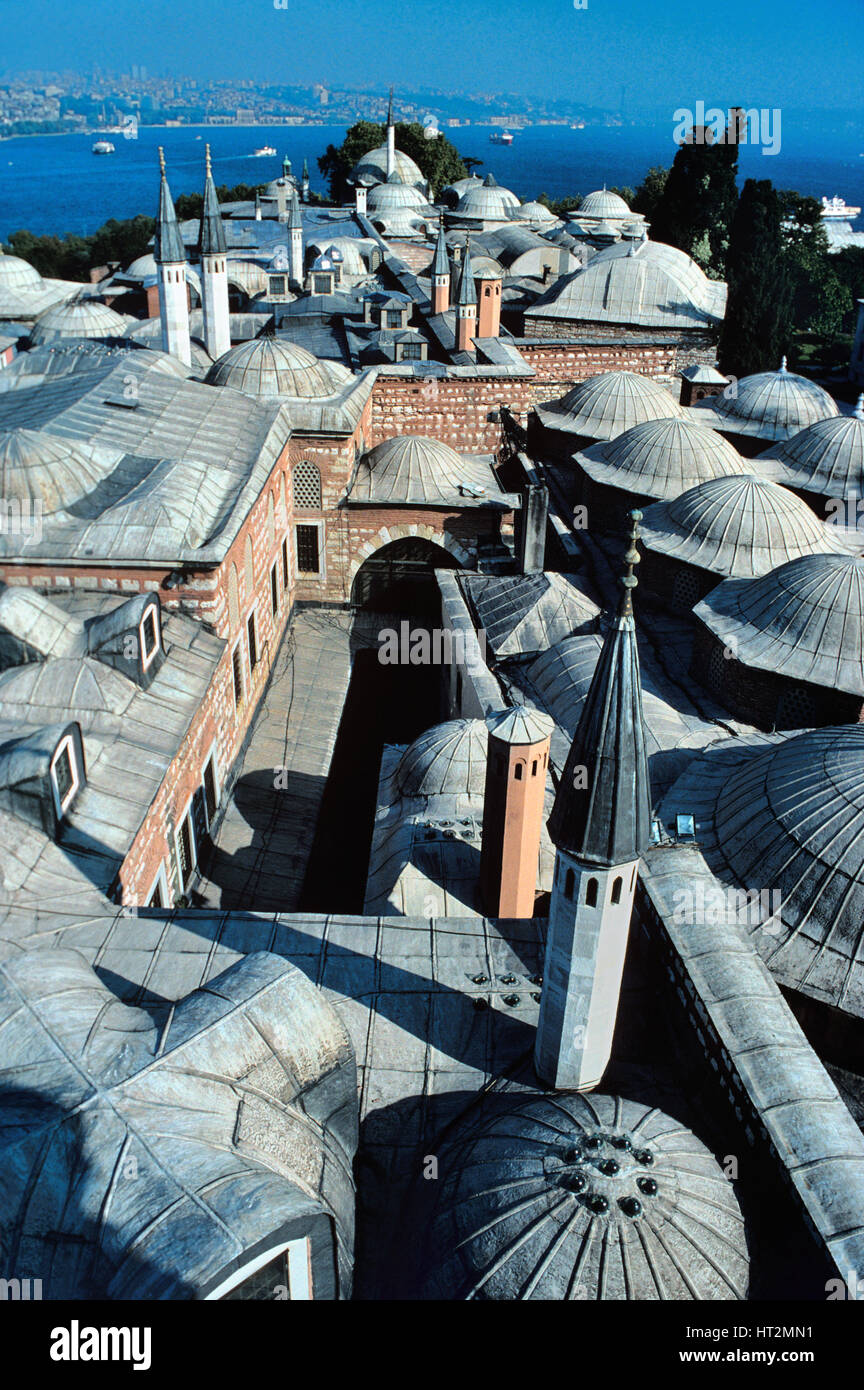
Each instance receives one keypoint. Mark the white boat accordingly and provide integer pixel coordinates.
(264, 151)
(836, 210)
(503, 137)
(103, 147)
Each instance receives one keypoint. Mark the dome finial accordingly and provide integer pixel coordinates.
(631, 560)
(207, 169)
(783, 364)
(162, 161)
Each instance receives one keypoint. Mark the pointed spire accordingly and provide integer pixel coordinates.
(467, 294)
(305, 171)
(295, 220)
(168, 248)
(490, 181)
(211, 235)
(441, 259)
(390, 109)
(602, 810)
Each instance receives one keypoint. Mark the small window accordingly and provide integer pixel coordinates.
(307, 550)
(534, 768)
(274, 589)
(148, 631)
(237, 669)
(252, 633)
(64, 775)
(591, 893)
(157, 894)
(616, 890)
(277, 284)
(211, 794)
(518, 771)
(322, 284)
(185, 851)
(285, 569)
(412, 352)
(569, 883)
(393, 318)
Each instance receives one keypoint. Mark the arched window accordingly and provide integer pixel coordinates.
(271, 523)
(534, 768)
(616, 890)
(591, 893)
(233, 599)
(283, 504)
(518, 771)
(249, 576)
(307, 487)
(569, 882)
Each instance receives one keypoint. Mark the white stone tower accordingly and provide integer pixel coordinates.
(171, 265)
(600, 825)
(212, 253)
(295, 239)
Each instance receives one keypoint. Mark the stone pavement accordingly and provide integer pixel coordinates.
(265, 838)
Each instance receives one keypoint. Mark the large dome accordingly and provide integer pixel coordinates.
(770, 405)
(16, 274)
(450, 757)
(487, 202)
(83, 318)
(395, 194)
(606, 405)
(739, 527)
(372, 168)
(804, 620)
(564, 1197)
(602, 203)
(40, 468)
(277, 367)
(827, 457)
(661, 458)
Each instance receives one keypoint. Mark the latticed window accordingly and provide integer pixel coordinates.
(307, 549)
(307, 487)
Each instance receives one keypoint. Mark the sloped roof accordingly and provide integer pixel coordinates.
(661, 458)
(528, 613)
(736, 527)
(826, 457)
(804, 620)
(609, 403)
(770, 405)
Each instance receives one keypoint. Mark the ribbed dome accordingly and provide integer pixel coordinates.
(602, 203)
(606, 405)
(804, 620)
(487, 203)
(16, 274)
(826, 457)
(411, 468)
(773, 405)
(394, 194)
(661, 458)
(372, 168)
(84, 318)
(36, 467)
(450, 757)
(593, 1198)
(520, 725)
(736, 527)
(534, 212)
(277, 367)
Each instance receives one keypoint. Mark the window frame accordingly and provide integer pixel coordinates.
(238, 667)
(319, 527)
(150, 611)
(275, 605)
(186, 818)
(253, 639)
(62, 803)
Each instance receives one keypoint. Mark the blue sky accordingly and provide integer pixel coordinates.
(793, 53)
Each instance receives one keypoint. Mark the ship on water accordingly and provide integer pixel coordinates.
(837, 210)
(263, 151)
(501, 137)
(103, 147)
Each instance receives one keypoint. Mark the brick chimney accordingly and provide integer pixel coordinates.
(489, 305)
(516, 769)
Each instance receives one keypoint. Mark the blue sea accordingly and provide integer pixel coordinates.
(55, 184)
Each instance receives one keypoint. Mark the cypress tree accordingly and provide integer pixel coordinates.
(697, 203)
(758, 325)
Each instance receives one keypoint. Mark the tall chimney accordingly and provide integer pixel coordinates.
(516, 768)
(489, 305)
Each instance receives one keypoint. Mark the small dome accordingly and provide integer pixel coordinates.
(393, 195)
(487, 203)
(534, 212)
(827, 457)
(411, 468)
(562, 676)
(83, 318)
(520, 726)
(16, 274)
(450, 757)
(771, 405)
(602, 203)
(606, 405)
(277, 367)
(661, 458)
(272, 188)
(372, 168)
(562, 1197)
(37, 467)
(740, 527)
(804, 620)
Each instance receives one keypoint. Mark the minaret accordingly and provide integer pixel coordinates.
(516, 770)
(295, 237)
(391, 138)
(441, 275)
(304, 183)
(466, 305)
(212, 254)
(171, 265)
(600, 824)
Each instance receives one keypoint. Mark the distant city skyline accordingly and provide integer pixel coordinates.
(615, 54)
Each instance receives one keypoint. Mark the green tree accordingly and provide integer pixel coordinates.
(561, 206)
(697, 203)
(821, 301)
(438, 160)
(73, 257)
(758, 326)
(650, 191)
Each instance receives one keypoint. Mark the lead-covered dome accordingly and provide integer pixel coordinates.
(602, 203)
(487, 202)
(17, 274)
(606, 405)
(661, 458)
(570, 1197)
(451, 757)
(372, 168)
(83, 318)
(827, 457)
(277, 367)
(394, 195)
(770, 405)
(412, 468)
(534, 212)
(804, 620)
(40, 468)
(736, 527)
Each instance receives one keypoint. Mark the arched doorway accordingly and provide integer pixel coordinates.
(399, 577)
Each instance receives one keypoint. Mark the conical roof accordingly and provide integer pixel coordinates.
(826, 457)
(441, 259)
(602, 810)
(606, 405)
(211, 235)
(520, 726)
(736, 527)
(661, 458)
(770, 405)
(168, 242)
(451, 757)
(564, 1197)
(804, 620)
